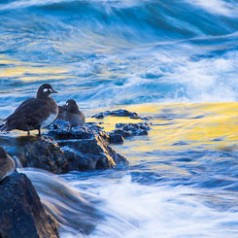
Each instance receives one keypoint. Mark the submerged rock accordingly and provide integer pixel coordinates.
(128, 130)
(115, 138)
(117, 113)
(134, 129)
(122, 130)
(21, 212)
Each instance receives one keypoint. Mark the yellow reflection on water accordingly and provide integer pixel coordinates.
(23, 70)
(177, 127)
(30, 72)
(183, 126)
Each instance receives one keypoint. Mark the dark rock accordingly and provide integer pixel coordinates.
(133, 126)
(131, 129)
(121, 132)
(21, 212)
(84, 149)
(99, 115)
(79, 213)
(141, 133)
(94, 153)
(115, 138)
(68, 135)
(117, 113)
(127, 130)
(43, 153)
(180, 143)
(87, 148)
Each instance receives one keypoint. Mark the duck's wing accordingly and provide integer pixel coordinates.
(25, 103)
(27, 116)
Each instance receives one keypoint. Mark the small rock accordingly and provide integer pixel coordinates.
(115, 138)
(132, 129)
(117, 113)
(121, 132)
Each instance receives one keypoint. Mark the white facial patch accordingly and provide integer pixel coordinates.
(45, 90)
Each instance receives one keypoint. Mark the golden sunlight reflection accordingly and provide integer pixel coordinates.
(30, 72)
(176, 127)
(182, 127)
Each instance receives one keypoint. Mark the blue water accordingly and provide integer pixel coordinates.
(113, 53)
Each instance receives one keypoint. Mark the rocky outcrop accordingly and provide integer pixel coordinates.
(41, 152)
(63, 150)
(124, 131)
(87, 148)
(21, 212)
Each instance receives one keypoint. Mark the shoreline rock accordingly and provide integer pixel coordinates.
(87, 148)
(64, 150)
(21, 212)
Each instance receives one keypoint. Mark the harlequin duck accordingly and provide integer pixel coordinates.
(71, 113)
(7, 164)
(34, 113)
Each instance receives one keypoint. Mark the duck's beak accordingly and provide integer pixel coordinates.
(53, 91)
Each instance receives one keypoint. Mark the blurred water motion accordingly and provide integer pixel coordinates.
(174, 62)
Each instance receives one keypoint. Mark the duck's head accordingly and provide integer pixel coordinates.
(71, 106)
(45, 90)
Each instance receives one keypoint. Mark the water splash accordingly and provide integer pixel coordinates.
(74, 210)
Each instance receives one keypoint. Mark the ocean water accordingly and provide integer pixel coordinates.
(172, 61)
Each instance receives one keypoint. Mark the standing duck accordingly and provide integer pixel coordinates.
(34, 113)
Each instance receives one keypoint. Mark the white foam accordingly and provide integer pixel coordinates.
(137, 211)
(217, 6)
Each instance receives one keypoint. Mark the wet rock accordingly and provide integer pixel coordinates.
(121, 132)
(90, 151)
(115, 138)
(21, 212)
(69, 135)
(133, 126)
(64, 150)
(125, 130)
(43, 153)
(117, 113)
(178, 143)
(60, 130)
(128, 130)
(79, 213)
